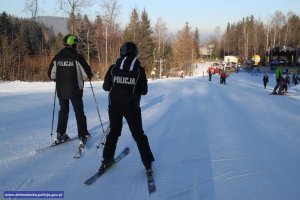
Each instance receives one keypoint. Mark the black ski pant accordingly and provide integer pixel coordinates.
(133, 117)
(265, 84)
(279, 84)
(222, 80)
(209, 77)
(79, 114)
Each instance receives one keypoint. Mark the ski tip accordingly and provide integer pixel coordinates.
(87, 183)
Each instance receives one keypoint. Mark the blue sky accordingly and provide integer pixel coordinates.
(205, 15)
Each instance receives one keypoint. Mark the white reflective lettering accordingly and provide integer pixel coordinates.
(65, 63)
(124, 80)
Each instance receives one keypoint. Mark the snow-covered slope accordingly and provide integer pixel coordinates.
(210, 141)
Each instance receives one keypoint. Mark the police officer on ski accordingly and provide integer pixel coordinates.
(126, 81)
(68, 69)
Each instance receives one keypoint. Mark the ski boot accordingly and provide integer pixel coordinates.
(281, 93)
(106, 164)
(149, 173)
(83, 140)
(274, 93)
(150, 181)
(148, 167)
(61, 137)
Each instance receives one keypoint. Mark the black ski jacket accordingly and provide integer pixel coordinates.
(126, 81)
(68, 68)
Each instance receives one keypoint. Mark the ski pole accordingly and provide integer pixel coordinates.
(53, 111)
(97, 107)
(103, 139)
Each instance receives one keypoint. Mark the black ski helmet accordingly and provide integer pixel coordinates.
(70, 40)
(128, 48)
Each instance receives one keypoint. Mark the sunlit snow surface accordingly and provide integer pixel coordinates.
(210, 142)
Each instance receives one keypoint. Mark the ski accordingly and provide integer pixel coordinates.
(81, 148)
(56, 144)
(151, 183)
(93, 178)
(284, 94)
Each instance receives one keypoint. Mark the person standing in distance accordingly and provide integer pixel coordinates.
(279, 81)
(265, 79)
(126, 81)
(68, 69)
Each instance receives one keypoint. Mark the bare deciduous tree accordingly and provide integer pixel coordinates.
(160, 35)
(277, 22)
(111, 10)
(71, 7)
(32, 6)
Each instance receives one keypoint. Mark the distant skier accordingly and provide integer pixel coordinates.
(279, 81)
(286, 82)
(209, 70)
(295, 79)
(67, 69)
(126, 81)
(265, 80)
(223, 76)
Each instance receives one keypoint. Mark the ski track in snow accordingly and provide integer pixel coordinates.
(210, 142)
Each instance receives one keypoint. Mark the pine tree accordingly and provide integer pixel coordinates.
(145, 44)
(99, 43)
(131, 32)
(139, 31)
(183, 46)
(196, 44)
(84, 32)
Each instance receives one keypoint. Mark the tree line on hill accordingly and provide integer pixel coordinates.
(27, 47)
(251, 36)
